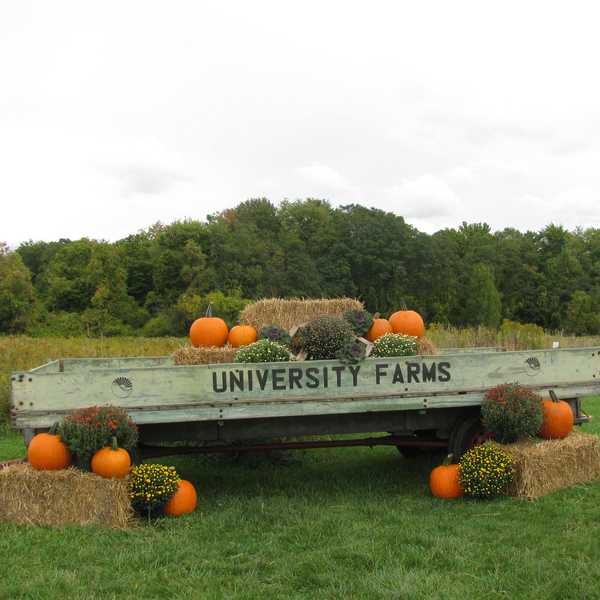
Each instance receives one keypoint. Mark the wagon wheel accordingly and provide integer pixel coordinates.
(467, 434)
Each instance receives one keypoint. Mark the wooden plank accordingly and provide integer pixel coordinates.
(222, 412)
(205, 392)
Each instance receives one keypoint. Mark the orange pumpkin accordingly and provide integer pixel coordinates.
(408, 322)
(380, 327)
(46, 452)
(208, 331)
(183, 501)
(241, 335)
(111, 462)
(444, 480)
(558, 418)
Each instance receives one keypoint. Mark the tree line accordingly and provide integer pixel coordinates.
(156, 281)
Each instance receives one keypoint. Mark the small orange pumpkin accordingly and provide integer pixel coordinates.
(408, 322)
(111, 462)
(46, 452)
(558, 418)
(380, 327)
(208, 331)
(444, 480)
(241, 335)
(183, 501)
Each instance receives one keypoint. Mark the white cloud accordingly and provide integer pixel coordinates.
(460, 174)
(324, 176)
(427, 196)
(147, 179)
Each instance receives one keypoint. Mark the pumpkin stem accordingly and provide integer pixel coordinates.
(554, 396)
(403, 304)
(448, 460)
(114, 442)
(54, 428)
(209, 310)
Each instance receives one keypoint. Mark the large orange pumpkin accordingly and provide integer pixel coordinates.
(46, 452)
(408, 322)
(208, 331)
(111, 462)
(444, 480)
(380, 327)
(558, 418)
(183, 501)
(241, 335)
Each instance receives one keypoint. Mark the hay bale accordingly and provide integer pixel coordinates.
(64, 497)
(189, 355)
(426, 347)
(544, 466)
(295, 311)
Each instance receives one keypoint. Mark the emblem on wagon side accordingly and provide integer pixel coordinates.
(122, 387)
(533, 363)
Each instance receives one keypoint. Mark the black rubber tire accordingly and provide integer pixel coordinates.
(461, 438)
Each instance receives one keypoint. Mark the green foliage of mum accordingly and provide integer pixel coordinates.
(486, 471)
(323, 338)
(360, 320)
(262, 351)
(87, 430)
(395, 344)
(511, 411)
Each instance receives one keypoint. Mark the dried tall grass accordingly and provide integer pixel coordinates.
(63, 497)
(426, 347)
(544, 466)
(287, 313)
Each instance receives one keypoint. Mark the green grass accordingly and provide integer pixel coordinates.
(343, 523)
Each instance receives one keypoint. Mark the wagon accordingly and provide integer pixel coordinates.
(409, 402)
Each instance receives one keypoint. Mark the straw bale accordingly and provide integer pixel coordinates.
(544, 466)
(188, 355)
(287, 313)
(63, 497)
(426, 347)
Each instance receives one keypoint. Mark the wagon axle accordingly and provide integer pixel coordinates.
(388, 440)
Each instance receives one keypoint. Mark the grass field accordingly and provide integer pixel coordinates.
(345, 523)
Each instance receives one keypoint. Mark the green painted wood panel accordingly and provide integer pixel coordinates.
(154, 391)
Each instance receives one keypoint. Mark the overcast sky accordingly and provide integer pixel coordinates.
(115, 115)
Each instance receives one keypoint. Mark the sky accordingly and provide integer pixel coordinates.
(116, 115)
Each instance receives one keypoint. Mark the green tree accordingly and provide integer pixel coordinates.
(482, 304)
(17, 295)
(582, 315)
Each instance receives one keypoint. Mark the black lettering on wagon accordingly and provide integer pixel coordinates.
(398, 375)
(311, 375)
(354, 370)
(278, 376)
(223, 386)
(236, 380)
(262, 377)
(295, 376)
(428, 373)
(380, 371)
(443, 372)
(412, 372)
(338, 374)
